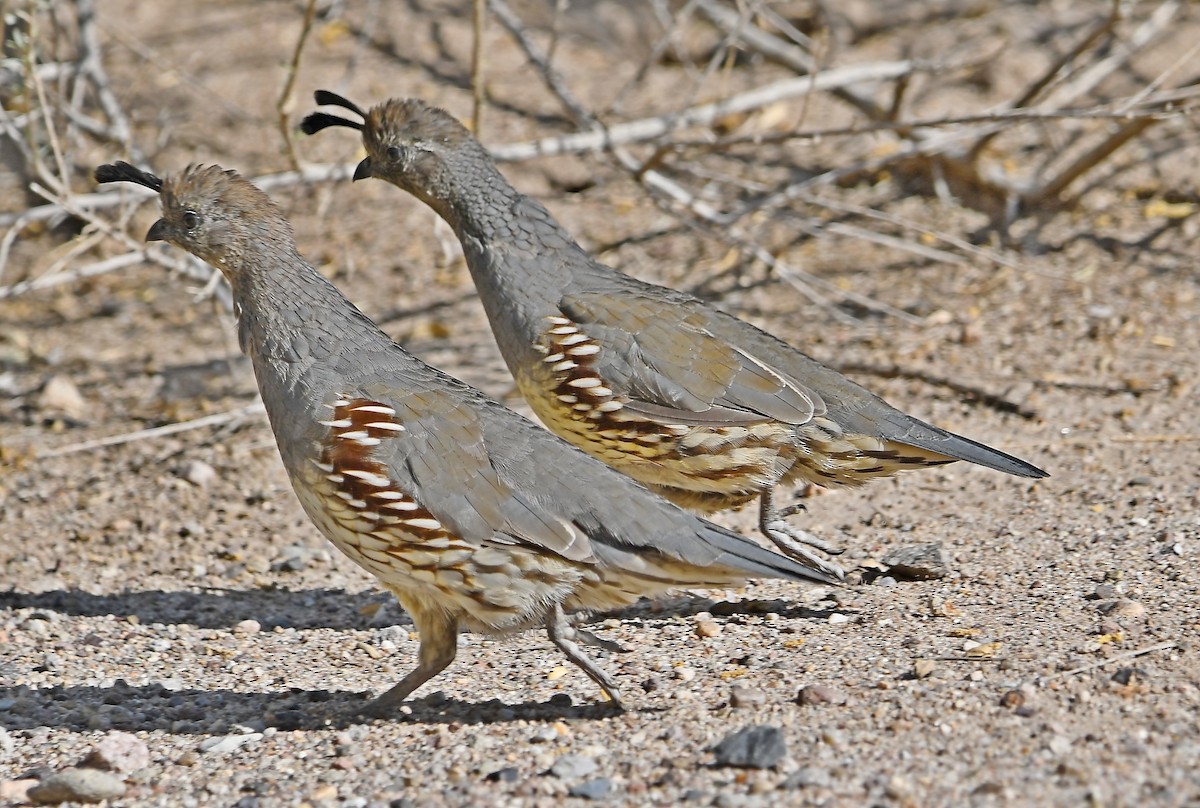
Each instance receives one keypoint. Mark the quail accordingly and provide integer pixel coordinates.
(704, 408)
(473, 516)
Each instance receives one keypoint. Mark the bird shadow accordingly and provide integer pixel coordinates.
(153, 707)
(335, 608)
(215, 608)
(159, 706)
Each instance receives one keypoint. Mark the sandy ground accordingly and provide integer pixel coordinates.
(171, 588)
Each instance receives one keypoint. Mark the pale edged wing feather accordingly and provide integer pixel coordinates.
(674, 369)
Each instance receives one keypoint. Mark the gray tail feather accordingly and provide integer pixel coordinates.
(739, 553)
(961, 448)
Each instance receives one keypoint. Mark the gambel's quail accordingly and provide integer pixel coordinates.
(473, 516)
(702, 407)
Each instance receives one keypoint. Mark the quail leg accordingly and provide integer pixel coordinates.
(439, 643)
(791, 540)
(564, 636)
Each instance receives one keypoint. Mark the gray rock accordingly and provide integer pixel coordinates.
(592, 789)
(920, 562)
(761, 747)
(77, 785)
(572, 766)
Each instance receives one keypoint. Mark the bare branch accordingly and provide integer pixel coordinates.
(286, 101)
(216, 419)
(783, 52)
(91, 66)
(478, 90)
(703, 115)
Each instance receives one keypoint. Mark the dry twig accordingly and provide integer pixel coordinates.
(216, 419)
(284, 106)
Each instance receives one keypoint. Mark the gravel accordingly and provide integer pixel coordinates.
(1054, 664)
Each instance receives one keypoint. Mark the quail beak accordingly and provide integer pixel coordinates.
(363, 171)
(157, 231)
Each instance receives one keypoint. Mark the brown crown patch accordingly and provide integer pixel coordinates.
(410, 120)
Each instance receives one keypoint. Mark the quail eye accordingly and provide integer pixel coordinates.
(191, 219)
(393, 153)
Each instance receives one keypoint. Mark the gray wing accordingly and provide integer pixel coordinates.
(681, 360)
(442, 461)
(628, 525)
(672, 367)
(488, 474)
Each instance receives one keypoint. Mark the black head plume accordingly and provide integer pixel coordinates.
(321, 120)
(326, 98)
(123, 172)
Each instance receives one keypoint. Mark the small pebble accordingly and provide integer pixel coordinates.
(77, 785)
(569, 767)
(60, 395)
(119, 752)
(924, 668)
(16, 791)
(596, 789)
(247, 627)
(821, 694)
(1012, 699)
(740, 696)
(506, 775)
(707, 628)
(544, 735)
(228, 743)
(1059, 745)
(761, 747)
(921, 562)
(837, 619)
(393, 634)
(684, 674)
(898, 787)
(1123, 607)
(198, 473)
(325, 792)
(807, 778)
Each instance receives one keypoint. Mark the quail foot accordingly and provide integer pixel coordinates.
(474, 517)
(704, 408)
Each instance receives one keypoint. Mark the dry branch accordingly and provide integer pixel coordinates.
(648, 129)
(216, 419)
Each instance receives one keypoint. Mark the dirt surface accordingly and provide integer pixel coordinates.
(171, 587)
